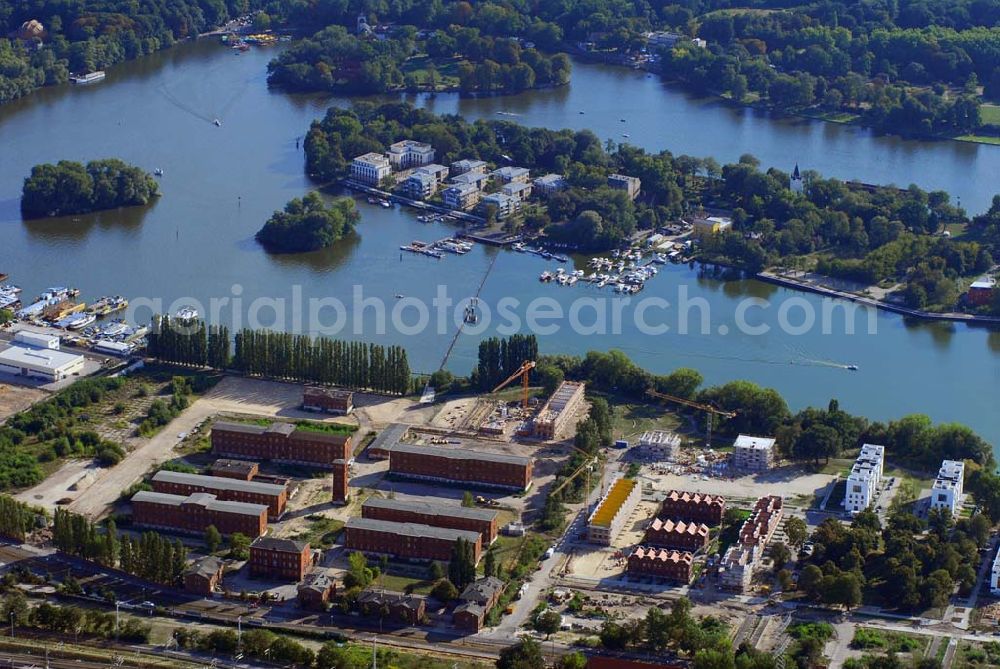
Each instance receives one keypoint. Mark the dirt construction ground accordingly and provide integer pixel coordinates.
(788, 482)
(17, 398)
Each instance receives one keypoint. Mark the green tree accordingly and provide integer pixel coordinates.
(239, 546)
(213, 538)
(444, 591)
(526, 654)
(548, 622)
(796, 531)
(468, 500)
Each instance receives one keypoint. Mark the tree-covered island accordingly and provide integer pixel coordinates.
(308, 224)
(73, 188)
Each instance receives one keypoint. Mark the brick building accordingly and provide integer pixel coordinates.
(694, 506)
(280, 558)
(737, 566)
(341, 477)
(280, 442)
(559, 410)
(410, 609)
(327, 400)
(452, 465)
(244, 470)
(477, 600)
(681, 535)
(203, 575)
(408, 540)
(226, 489)
(192, 514)
(315, 591)
(660, 563)
(434, 513)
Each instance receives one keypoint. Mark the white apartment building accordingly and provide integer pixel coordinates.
(505, 204)
(659, 445)
(520, 190)
(995, 575)
(439, 172)
(509, 175)
(461, 196)
(862, 483)
(410, 153)
(550, 183)
(947, 490)
(419, 185)
(467, 166)
(753, 454)
(370, 168)
(613, 511)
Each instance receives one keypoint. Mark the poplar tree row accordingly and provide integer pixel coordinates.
(499, 358)
(152, 556)
(188, 343)
(281, 355)
(16, 518)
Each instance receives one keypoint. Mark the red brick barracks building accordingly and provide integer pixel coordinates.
(194, 513)
(451, 465)
(225, 489)
(280, 442)
(693, 506)
(660, 563)
(453, 517)
(407, 540)
(684, 536)
(280, 558)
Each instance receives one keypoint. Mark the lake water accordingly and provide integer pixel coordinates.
(221, 183)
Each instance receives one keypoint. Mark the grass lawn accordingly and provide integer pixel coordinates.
(867, 638)
(631, 420)
(402, 583)
(322, 532)
(447, 70)
(990, 114)
(979, 139)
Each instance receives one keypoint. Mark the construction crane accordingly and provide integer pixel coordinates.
(710, 410)
(523, 372)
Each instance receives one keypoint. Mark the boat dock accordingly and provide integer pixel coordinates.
(421, 248)
(501, 239)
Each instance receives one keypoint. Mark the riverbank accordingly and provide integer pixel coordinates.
(801, 284)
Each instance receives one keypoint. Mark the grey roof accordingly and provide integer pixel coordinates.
(202, 498)
(318, 580)
(206, 567)
(389, 437)
(472, 607)
(229, 426)
(483, 590)
(411, 529)
(461, 454)
(432, 508)
(390, 597)
(225, 464)
(218, 483)
(280, 545)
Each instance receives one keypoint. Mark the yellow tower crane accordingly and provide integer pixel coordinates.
(524, 372)
(710, 410)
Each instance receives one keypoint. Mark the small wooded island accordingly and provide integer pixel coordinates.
(69, 187)
(308, 224)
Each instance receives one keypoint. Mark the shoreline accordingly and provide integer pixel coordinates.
(818, 115)
(795, 284)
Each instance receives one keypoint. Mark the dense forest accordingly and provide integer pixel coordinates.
(87, 35)
(843, 229)
(280, 355)
(71, 188)
(334, 59)
(308, 224)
